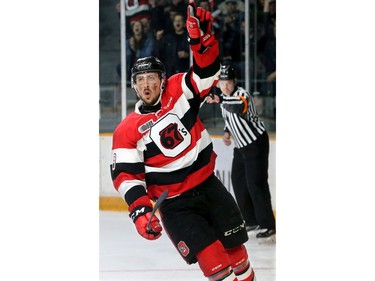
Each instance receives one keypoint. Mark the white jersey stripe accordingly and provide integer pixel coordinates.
(206, 83)
(126, 185)
(127, 155)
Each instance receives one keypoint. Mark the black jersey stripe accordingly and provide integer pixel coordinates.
(180, 175)
(151, 150)
(188, 78)
(134, 193)
(207, 71)
(130, 168)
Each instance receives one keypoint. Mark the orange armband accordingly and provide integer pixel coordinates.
(245, 103)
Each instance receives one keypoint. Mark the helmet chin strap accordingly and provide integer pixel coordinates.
(158, 101)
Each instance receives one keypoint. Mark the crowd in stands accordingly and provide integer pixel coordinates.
(157, 28)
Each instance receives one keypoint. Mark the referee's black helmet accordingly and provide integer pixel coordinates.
(227, 72)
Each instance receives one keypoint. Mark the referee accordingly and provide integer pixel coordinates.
(250, 155)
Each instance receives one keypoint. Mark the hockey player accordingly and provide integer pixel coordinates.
(163, 145)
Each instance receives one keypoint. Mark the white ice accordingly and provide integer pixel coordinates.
(124, 255)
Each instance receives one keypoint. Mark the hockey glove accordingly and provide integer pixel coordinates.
(205, 23)
(192, 25)
(140, 216)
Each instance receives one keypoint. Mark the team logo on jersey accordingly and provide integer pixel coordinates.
(184, 250)
(170, 135)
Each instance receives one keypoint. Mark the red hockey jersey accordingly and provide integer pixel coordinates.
(168, 149)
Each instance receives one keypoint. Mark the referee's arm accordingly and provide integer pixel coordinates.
(237, 104)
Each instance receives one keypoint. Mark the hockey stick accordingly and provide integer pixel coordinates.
(156, 207)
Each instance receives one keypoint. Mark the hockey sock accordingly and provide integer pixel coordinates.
(215, 263)
(240, 263)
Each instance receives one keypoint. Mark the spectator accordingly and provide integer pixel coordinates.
(231, 35)
(234, 52)
(174, 48)
(205, 4)
(234, 49)
(146, 23)
(272, 8)
(134, 11)
(232, 16)
(170, 10)
(250, 155)
(138, 45)
(158, 16)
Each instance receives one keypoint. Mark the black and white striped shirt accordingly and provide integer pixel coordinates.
(241, 118)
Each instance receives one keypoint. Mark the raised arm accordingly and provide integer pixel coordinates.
(206, 63)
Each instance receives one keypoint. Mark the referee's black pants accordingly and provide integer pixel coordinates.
(250, 183)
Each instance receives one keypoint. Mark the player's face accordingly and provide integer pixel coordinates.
(147, 86)
(226, 86)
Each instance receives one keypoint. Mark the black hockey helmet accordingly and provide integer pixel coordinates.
(148, 64)
(227, 72)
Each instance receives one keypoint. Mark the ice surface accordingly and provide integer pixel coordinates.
(125, 255)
